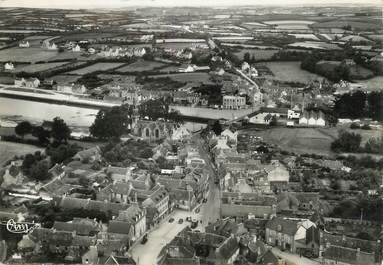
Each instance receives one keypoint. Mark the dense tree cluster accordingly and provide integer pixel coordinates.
(346, 142)
(111, 123)
(122, 154)
(59, 131)
(63, 153)
(369, 208)
(360, 105)
(158, 109)
(36, 166)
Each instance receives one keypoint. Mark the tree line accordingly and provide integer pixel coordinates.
(360, 105)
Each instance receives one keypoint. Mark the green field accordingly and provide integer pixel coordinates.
(8, 150)
(187, 77)
(95, 67)
(140, 66)
(310, 140)
(354, 23)
(299, 140)
(32, 55)
(291, 72)
(35, 68)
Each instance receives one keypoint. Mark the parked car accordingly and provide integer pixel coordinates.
(171, 220)
(180, 221)
(144, 239)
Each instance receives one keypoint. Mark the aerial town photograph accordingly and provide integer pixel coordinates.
(204, 132)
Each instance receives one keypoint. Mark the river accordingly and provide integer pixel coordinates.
(15, 110)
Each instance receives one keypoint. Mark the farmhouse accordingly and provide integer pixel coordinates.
(24, 44)
(48, 45)
(76, 48)
(9, 66)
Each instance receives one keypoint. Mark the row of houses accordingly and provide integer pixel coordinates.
(119, 52)
(292, 117)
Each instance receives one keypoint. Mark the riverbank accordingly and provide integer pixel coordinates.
(44, 96)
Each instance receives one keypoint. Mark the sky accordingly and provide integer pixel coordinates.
(127, 3)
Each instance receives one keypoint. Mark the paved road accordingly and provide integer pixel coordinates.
(147, 254)
(293, 258)
(210, 211)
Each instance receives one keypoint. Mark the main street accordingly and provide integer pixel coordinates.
(165, 232)
(160, 236)
(294, 258)
(210, 211)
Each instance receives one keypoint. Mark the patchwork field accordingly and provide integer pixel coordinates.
(64, 79)
(355, 24)
(140, 66)
(95, 67)
(315, 45)
(187, 77)
(291, 72)
(290, 24)
(32, 55)
(258, 54)
(34, 68)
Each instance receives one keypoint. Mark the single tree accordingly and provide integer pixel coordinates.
(60, 130)
(246, 57)
(23, 128)
(110, 123)
(217, 128)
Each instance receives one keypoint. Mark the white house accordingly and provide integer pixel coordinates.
(9, 66)
(19, 82)
(24, 44)
(32, 82)
(52, 46)
(76, 48)
(139, 52)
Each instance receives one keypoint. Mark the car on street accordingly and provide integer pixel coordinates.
(180, 221)
(144, 239)
(171, 220)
